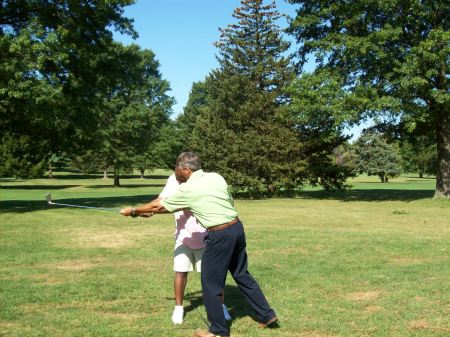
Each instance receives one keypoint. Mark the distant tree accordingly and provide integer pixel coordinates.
(392, 56)
(185, 122)
(376, 157)
(135, 112)
(171, 143)
(419, 155)
(53, 65)
(240, 131)
(345, 156)
(58, 161)
(320, 109)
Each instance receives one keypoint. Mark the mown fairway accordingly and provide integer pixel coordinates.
(371, 262)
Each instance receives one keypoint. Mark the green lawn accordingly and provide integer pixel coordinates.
(373, 261)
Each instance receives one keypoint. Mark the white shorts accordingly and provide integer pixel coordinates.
(186, 259)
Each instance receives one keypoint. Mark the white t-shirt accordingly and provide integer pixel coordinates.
(188, 231)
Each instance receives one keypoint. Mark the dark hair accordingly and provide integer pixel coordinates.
(189, 160)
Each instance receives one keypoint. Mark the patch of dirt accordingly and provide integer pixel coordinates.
(373, 308)
(76, 265)
(122, 315)
(419, 325)
(363, 295)
(307, 334)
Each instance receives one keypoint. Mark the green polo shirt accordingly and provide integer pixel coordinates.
(207, 196)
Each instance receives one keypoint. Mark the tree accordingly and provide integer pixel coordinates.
(169, 146)
(376, 157)
(392, 55)
(136, 110)
(239, 131)
(419, 155)
(185, 122)
(53, 70)
(319, 108)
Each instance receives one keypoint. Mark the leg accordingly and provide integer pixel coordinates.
(215, 262)
(181, 265)
(179, 285)
(226, 314)
(245, 281)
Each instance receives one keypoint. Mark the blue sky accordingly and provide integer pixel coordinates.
(181, 33)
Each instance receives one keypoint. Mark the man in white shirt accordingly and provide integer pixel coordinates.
(189, 248)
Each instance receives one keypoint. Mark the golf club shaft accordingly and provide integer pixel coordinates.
(79, 206)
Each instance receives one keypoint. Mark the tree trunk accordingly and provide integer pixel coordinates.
(105, 174)
(420, 174)
(142, 173)
(443, 153)
(50, 172)
(116, 179)
(381, 177)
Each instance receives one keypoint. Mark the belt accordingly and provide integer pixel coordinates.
(223, 226)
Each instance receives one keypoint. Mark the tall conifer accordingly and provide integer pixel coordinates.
(239, 132)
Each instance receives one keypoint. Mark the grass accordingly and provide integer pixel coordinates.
(373, 261)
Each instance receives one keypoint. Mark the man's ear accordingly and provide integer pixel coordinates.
(186, 172)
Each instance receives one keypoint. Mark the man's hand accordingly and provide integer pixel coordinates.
(146, 215)
(126, 211)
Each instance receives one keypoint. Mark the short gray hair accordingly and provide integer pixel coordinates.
(189, 160)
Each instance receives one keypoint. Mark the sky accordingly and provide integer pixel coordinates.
(181, 33)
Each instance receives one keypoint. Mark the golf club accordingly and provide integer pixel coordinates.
(48, 197)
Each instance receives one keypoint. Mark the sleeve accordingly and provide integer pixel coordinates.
(170, 188)
(177, 200)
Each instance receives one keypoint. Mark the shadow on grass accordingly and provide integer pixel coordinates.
(392, 194)
(23, 206)
(369, 195)
(100, 176)
(234, 300)
(37, 187)
(61, 187)
(126, 185)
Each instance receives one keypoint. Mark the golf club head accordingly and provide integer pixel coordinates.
(48, 197)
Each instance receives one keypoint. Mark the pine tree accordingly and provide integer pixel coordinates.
(239, 131)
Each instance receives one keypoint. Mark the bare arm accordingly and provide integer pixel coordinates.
(145, 210)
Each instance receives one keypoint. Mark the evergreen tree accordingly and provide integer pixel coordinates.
(376, 157)
(393, 58)
(239, 131)
(185, 122)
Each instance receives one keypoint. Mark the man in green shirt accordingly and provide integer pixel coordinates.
(208, 197)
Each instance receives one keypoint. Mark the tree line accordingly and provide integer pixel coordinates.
(69, 91)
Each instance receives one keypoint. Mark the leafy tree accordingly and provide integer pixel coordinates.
(135, 111)
(239, 131)
(376, 157)
(393, 57)
(54, 65)
(419, 155)
(345, 156)
(319, 108)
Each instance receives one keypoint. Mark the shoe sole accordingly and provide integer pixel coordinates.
(268, 323)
